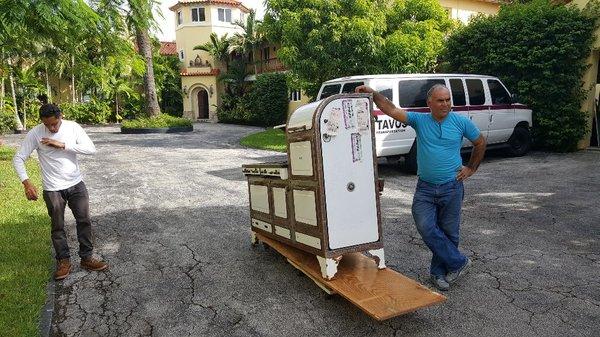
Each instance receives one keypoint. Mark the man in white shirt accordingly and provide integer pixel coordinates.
(58, 142)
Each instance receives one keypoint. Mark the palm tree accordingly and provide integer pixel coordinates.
(244, 43)
(218, 48)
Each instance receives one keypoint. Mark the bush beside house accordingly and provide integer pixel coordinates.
(539, 50)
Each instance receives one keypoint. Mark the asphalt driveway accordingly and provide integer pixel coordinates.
(171, 217)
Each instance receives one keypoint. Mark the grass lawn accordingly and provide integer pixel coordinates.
(272, 139)
(25, 254)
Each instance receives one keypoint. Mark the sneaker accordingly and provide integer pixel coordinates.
(440, 282)
(93, 264)
(455, 275)
(63, 268)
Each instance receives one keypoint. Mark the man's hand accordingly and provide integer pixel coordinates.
(30, 191)
(364, 89)
(464, 173)
(53, 143)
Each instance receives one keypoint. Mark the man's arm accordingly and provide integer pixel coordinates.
(386, 106)
(476, 158)
(83, 144)
(29, 144)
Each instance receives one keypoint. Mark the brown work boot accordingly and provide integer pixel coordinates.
(93, 264)
(63, 268)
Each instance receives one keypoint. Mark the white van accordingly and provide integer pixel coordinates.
(484, 99)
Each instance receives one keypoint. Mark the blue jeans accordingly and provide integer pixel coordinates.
(436, 210)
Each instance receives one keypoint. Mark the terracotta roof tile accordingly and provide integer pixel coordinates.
(168, 48)
(213, 72)
(233, 3)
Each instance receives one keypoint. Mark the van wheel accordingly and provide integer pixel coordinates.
(410, 160)
(519, 142)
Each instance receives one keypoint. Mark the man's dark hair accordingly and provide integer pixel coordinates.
(49, 110)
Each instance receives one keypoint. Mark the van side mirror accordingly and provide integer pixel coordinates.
(514, 98)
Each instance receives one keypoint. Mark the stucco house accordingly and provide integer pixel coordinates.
(195, 20)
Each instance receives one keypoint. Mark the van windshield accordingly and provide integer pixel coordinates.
(413, 93)
(329, 90)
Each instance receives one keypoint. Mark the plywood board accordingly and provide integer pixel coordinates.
(382, 294)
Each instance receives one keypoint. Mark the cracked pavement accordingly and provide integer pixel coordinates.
(170, 215)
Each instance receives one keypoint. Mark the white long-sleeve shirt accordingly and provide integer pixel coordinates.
(60, 168)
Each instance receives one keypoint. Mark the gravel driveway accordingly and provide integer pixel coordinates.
(171, 216)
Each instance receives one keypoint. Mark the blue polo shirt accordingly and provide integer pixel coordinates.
(439, 143)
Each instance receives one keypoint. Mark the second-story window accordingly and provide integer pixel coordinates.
(181, 55)
(198, 15)
(224, 14)
(265, 53)
(295, 95)
(179, 18)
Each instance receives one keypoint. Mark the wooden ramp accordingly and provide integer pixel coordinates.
(382, 294)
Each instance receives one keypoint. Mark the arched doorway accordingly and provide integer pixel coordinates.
(202, 100)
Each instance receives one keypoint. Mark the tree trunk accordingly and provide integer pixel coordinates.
(19, 125)
(2, 91)
(73, 78)
(48, 90)
(145, 50)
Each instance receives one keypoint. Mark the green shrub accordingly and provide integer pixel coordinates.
(93, 112)
(268, 100)
(539, 50)
(162, 121)
(7, 120)
(234, 109)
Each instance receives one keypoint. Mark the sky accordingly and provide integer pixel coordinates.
(167, 23)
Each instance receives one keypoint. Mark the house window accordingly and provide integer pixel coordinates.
(241, 16)
(295, 95)
(265, 53)
(198, 14)
(224, 14)
(181, 55)
(179, 18)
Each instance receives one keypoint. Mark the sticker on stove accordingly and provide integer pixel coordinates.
(333, 122)
(356, 147)
(362, 115)
(349, 114)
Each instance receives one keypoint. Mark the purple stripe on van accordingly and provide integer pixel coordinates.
(473, 108)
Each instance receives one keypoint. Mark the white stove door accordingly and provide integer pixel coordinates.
(348, 172)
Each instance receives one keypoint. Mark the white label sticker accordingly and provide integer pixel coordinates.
(333, 123)
(356, 147)
(362, 115)
(349, 114)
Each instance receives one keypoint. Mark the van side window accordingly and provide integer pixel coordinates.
(413, 93)
(476, 93)
(499, 93)
(458, 92)
(349, 87)
(329, 90)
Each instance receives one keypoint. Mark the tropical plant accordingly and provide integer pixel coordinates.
(219, 48)
(244, 43)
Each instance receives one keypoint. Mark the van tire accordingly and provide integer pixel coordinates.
(410, 160)
(519, 142)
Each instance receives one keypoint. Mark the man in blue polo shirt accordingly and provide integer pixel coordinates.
(438, 198)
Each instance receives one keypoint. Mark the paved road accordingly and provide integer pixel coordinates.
(171, 217)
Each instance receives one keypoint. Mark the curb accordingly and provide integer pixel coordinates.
(158, 130)
(48, 309)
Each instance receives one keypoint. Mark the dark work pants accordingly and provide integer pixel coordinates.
(78, 200)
